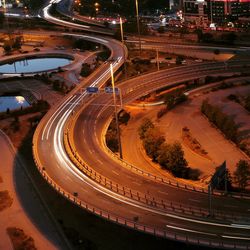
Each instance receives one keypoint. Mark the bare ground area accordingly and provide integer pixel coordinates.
(188, 115)
(17, 136)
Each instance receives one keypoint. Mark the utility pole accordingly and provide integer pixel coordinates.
(211, 11)
(6, 16)
(226, 175)
(157, 59)
(123, 46)
(116, 115)
(138, 24)
(210, 199)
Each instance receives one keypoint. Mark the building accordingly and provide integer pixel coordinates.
(203, 12)
(195, 11)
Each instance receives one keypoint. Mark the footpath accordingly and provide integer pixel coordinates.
(26, 211)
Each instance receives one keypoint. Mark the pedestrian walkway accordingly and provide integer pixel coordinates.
(26, 211)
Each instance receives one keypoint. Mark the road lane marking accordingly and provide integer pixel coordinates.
(231, 206)
(100, 161)
(136, 183)
(189, 230)
(113, 171)
(161, 192)
(241, 226)
(194, 200)
(235, 237)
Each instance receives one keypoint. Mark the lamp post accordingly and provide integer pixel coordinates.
(157, 59)
(138, 24)
(116, 115)
(6, 14)
(211, 11)
(122, 39)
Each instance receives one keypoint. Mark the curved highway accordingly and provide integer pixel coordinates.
(45, 13)
(76, 125)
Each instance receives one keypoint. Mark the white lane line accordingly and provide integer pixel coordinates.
(231, 206)
(136, 183)
(235, 237)
(194, 200)
(67, 178)
(241, 226)
(113, 171)
(84, 190)
(189, 230)
(161, 192)
(100, 161)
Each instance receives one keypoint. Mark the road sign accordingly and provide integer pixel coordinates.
(92, 90)
(109, 90)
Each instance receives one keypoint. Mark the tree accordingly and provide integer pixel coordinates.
(221, 184)
(207, 38)
(146, 124)
(111, 140)
(179, 60)
(17, 42)
(229, 38)
(247, 103)
(7, 48)
(174, 97)
(161, 29)
(152, 142)
(216, 51)
(242, 173)
(85, 71)
(171, 157)
(1, 18)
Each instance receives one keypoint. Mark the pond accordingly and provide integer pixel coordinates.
(12, 103)
(33, 65)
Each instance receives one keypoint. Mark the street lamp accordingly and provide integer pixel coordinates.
(157, 59)
(116, 115)
(6, 14)
(138, 24)
(122, 38)
(121, 28)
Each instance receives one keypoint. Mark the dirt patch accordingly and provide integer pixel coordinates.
(20, 240)
(17, 135)
(190, 142)
(5, 200)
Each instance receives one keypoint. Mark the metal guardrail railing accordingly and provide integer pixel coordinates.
(145, 199)
(138, 226)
